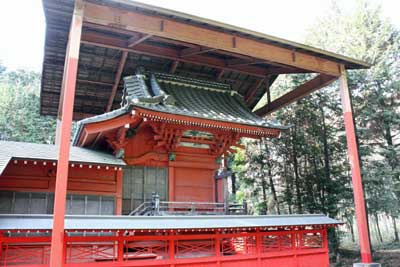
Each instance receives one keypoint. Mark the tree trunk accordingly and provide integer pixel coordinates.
(264, 195)
(378, 228)
(296, 173)
(273, 191)
(352, 231)
(233, 181)
(327, 168)
(396, 234)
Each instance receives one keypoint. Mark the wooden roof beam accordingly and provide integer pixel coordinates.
(220, 74)
(174, 66)
(100, 40)
(135, 40)
(167, 28)
(195, 51)
(121, 66)
(301, 91)
(252, 91)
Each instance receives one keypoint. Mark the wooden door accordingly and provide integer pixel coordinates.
(139, 183)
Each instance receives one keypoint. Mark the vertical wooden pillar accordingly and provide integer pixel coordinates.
(171, 247)
(359, 202)
(68, 94)
(171, 183)
(118, 199)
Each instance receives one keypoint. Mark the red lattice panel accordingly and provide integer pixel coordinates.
(311, 240)
(146, 250)
(238, 245)
(21, 254)
(276, 242)
(195, 248)
(90, 252)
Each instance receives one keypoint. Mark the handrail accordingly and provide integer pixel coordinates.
(157, 207)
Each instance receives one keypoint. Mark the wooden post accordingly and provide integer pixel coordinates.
(359, 202)
(118, 198)
(68, 94)
(171, 183)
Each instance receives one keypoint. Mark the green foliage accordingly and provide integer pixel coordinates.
(20, 118)
(308, 165)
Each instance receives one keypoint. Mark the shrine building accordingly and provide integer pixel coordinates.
(160, 99)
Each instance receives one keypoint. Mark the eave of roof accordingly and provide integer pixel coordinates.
(84, 222)
(349, 62)
(31, 151)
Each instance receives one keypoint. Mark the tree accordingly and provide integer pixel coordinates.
(20, 118)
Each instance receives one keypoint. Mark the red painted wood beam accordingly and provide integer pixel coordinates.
(118, 196)
(68, 95)
(298, 93)
(121, 66)
(171, 183)
(359, 202)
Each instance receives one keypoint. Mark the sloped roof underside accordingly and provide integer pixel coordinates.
(98, 65)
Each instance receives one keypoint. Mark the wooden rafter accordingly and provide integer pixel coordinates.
(220, 74)
(139, 38)
(301, 91)
(252, 91)
(195, 51)
(168, 28)
(100, 40)
(117, 79)
(174, 66)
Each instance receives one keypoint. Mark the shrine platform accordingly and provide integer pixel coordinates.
(168, 240)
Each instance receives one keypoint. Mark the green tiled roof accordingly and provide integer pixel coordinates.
(191, 97)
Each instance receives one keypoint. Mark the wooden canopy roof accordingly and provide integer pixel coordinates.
(120, 35)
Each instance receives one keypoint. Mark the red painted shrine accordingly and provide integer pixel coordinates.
(162, 98)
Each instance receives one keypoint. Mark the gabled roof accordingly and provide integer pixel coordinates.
(79, 222)
(196, 98)
(177, 99)
(31, 151)
(103, 46)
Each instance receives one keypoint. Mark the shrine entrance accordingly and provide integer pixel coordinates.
(139, 183)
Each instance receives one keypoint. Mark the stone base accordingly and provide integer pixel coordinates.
(366, 265)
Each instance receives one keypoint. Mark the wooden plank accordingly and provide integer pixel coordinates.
(117, 80)
(167, 28)
(301, 91)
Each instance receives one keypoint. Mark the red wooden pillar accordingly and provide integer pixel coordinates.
(118, 199)
(67, 94)
(171, 183)
(359, 202)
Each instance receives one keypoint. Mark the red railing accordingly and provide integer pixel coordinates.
(222, 247)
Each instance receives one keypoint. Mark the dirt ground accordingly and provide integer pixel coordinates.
(387, 258)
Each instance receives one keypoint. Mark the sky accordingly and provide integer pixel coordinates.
(22, 30)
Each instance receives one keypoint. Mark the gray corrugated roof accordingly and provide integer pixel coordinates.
(83, 222)
(21, 150)
(202, 99)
